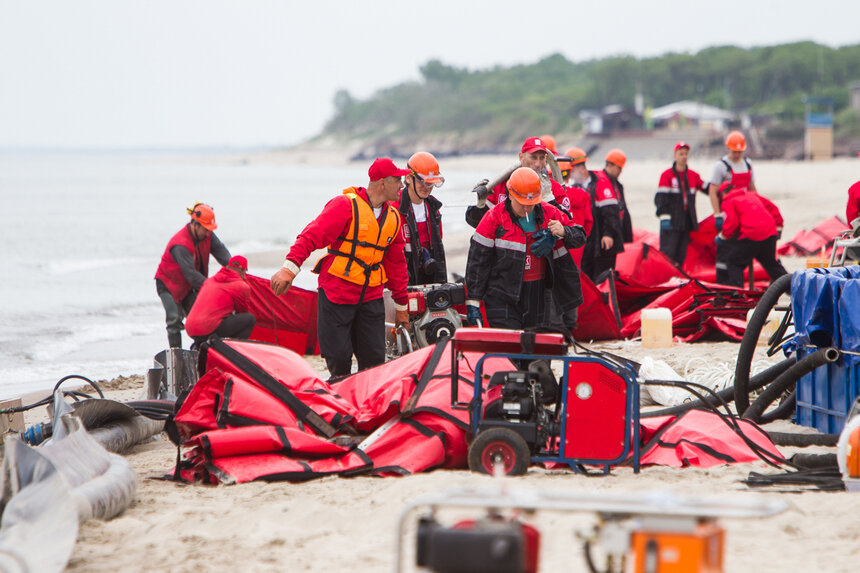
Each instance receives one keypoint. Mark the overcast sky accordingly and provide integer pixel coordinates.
(173, 73)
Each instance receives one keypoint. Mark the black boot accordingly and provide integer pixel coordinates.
(174, 339)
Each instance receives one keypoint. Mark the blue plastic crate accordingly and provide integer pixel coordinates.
(825, 395)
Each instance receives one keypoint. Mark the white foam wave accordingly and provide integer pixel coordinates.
(79, 265)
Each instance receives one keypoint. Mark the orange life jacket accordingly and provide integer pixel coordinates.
(358, 254)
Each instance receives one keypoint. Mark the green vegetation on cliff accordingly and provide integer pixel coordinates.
(503, 102)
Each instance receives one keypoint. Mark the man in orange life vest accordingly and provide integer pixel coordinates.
(222, 306)
(365, 251)
(521, 247)
(422, 221)
(676, 205)
(185, 265)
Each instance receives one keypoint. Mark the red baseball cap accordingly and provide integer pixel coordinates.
(682, 145)
(383, 167)
(533, 144)
(238, 262)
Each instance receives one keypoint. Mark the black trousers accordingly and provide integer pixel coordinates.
(739, 253)
(597, 265)
(525, 313)
(347, 329)
(674, 244)
(174, 312)
(233, 326)
(555, 318)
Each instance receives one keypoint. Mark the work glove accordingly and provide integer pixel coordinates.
(401, 318)
(282, 281)
(543, 243)
(665, 224)
(482, 191)
(718, 221)
(473, 314)
(719, 240)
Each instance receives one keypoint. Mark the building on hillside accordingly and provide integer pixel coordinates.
(613, 118)
(690, 114)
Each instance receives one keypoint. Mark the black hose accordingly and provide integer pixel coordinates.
(803, 440)
(782, 382)
(783, 411)
(759, 316)
(761, 379)
(79, 377)
(816, 461)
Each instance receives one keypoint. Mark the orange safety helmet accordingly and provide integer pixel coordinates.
(203, 214)
(424, 166)
(524, 186)
(550, 143)
(577, 155)
(736, 141)
(564, 163)
(616, 157)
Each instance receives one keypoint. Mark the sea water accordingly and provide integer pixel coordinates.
(82, 235)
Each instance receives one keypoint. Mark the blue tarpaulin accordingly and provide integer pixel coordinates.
(826, 307)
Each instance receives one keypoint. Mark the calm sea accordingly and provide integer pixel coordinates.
(82, 234)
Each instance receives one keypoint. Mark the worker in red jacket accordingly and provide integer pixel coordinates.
(676, 205)
(521, 247)
(751, 228)
(365, 253)
(422, 221)
(222, 307)
(579, 199)
(616, 227)
(185, 265)
(533, 155)
(852, 211)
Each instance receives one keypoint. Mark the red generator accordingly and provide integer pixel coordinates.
(588, 417)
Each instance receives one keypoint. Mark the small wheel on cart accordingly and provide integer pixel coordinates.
(501, 446)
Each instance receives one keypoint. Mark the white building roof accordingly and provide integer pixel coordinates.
(692, 110)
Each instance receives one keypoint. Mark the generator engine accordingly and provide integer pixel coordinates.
(519, 399)
(431, 311)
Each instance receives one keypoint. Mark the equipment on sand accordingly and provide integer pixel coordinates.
(640, 533)
(433, 314)
(590, 417)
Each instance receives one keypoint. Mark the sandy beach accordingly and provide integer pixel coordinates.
(349, 524)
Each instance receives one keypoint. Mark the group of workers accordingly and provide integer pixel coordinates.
(533, 236)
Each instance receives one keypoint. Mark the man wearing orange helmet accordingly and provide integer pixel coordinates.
(732, 167)
(422, 221)
(184, 267)
(365, 253)
(533, 154)
(735, 169)
(676, 205)
(615, 227)
(521, 247)
(579, 196)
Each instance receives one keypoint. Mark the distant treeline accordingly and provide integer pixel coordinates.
(504, 102)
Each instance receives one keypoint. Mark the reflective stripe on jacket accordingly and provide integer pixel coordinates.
(497, 257)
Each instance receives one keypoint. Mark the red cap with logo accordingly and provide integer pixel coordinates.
(682, 145)
(533, 144)
(383, 167)
(238, 262)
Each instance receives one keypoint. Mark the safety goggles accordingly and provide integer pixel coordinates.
(431, 180)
